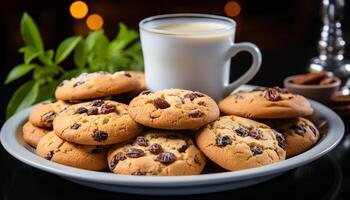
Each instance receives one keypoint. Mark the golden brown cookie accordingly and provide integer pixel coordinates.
(173, 109)
(140, 76)
(43, 114)
(237, 143)
(157, 153)
(95, 85)
(300, 134)
(269, 103)
(53, 148)
(32, 134)
(99, 122)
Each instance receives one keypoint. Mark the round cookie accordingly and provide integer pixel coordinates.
(99, 122)
(156, 153)
(268, 103)
(237, 143)
(300, 134)
(32, 134)
(95, 85)
(173, 109)
(53, 148)
(43, 114)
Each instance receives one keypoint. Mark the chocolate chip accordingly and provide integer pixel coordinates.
(116, 159)
(160, 103)
(100, 136)
(75, 126)
(138, 173)
(183, 148)
(281, 90)
(49, 117)
(172, 136)
(134, 153)
(97, 102)
(255, 133)
(299, 129)
(196, 160)
(49, 155)
(313, 129)
(78, 83)
(107, 108)
(145, 92)
(92, 111)
(243, 132)
(272, 94)
(81, 110)
(155, 148)
(222, 141)
(193, 95)
(256, 150)
(140, 140)
(280, 140)
(166, 158)
(127, 74)
(196, 114)
(62, 83)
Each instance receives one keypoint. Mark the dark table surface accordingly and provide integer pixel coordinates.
(325, 178)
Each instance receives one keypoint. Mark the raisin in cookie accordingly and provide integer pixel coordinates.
(266, 103)
(237, 143)
(173, 109)
(300, 134)
(157, 153)
(53, 148)
(95, 85)
(32, 134)
(43, 114)
(99, 122)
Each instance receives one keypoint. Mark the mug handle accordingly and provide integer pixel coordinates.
(254, 68)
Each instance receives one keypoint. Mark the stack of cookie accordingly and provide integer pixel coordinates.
(168, 132)
(279, 109)
(77, 130)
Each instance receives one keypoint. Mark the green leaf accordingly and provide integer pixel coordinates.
(46, 73)
(29, 53)
(29, 98)
(91, 39)
(47, 57)
(123, 39)
(19, 71)
(66, 47)
(101, 46)
(47, 91)
(30, 33)
(18, 97)
(80, 54)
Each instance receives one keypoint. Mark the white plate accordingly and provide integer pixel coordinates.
(330, 125)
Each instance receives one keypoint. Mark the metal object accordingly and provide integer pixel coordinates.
(331, 45)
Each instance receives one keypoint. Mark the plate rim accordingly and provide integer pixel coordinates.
(17, 150)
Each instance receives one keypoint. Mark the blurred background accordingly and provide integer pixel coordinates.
(286, 31)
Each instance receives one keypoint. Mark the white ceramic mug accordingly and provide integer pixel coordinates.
(193, 51)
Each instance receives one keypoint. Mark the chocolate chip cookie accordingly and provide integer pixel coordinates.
(156, 153)
(53, 148)
(173, 109)
(32, 134)
(43, 114)
(98, 122)
(95, 85)
(237, 143)
(300, 134)
(269, 103)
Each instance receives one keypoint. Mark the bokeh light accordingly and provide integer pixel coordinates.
(232, 9)
(94, 22)
(78, 9)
